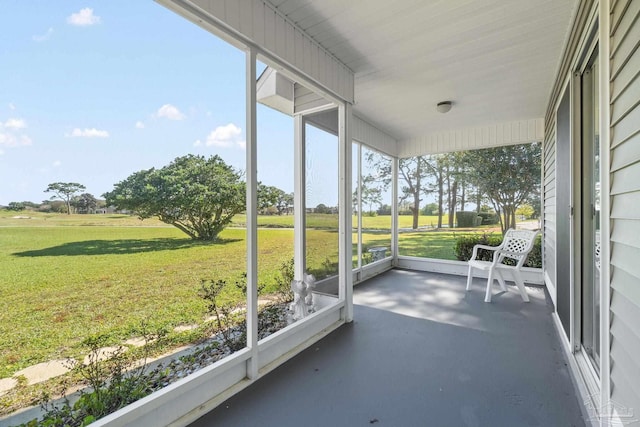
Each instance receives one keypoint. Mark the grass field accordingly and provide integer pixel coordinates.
(65, 277)
(379, 222)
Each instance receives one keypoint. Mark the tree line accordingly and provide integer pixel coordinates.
(506, 177)
(200, 196)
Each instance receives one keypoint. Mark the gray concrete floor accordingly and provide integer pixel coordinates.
(421, 352)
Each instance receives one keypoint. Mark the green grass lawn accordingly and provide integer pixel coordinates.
(61, 283)
(379, 222)
(65, 277)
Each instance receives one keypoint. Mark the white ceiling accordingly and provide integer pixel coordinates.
(495, 59)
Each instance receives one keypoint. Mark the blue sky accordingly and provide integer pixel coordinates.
(93, 91)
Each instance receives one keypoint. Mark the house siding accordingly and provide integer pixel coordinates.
(494, 135)
(625, 200)
(258, 23)
(363, 131)
(549, 213)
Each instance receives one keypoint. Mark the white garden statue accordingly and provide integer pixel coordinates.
(302, 304)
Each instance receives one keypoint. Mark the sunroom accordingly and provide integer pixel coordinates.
(369, 76)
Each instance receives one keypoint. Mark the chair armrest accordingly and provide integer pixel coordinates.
(514, 254)
(489, 248)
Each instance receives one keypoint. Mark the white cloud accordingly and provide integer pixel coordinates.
(57, 164)
(12, 140)
(15, 124)
(198, 143)
(225, 137)
(88, 133)
(170, 112)
(1, 152)
(83, 18)
(12, 106)
(43, 37)
(139, 125)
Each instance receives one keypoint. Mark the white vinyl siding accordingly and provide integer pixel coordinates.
(625, 203)
(363, 131)
(549, 200)
(306, 99)
(259, 23)
(495, 135)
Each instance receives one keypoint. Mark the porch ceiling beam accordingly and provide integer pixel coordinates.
(494, 135)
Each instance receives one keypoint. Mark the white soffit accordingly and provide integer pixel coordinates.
(495, 59)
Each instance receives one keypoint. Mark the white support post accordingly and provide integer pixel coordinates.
(359, 205)
(252, 216)
(394, 210)
(345, 233)
(605, 222)
(299, 208)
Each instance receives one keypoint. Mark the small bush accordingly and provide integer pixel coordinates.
(464, 246)
(464, 249)
(466, 218)
(283, 281)
(228, 316)
(489, 218)
(111, 384)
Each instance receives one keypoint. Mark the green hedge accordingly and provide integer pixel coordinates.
(464, 248)
(467, 219)
(489, 218)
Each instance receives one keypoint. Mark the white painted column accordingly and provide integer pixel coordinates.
(394, 210)
(605, 207)
(359, 204)
(252, 216)
(344, 194)
(299, 209)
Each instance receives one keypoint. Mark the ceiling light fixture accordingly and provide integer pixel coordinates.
(443, 107)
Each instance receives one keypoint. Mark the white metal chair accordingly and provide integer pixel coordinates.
(516, 245)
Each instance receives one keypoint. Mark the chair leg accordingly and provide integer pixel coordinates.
(500, 278)
(487, 297)
(520, 285)
(469, 278)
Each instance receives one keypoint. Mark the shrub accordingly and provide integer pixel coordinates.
(228, 315)
(384, 210)
(489, 218)
(464, 246)
(15, 206)
(466, 218)
(464, 249)
(112, 384)
(283, 281)
(535, 256)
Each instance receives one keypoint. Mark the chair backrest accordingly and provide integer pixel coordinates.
(518, 243)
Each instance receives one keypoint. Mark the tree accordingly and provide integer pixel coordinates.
(525, 210)
(508, 176)
(437, 168)
(15, 206)
(430, 209)
(65, 192)
(285, 202)
(413, 173)
(270, 196)
(198, 196)
(322, 209)
(370, 193)
(85, 203)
